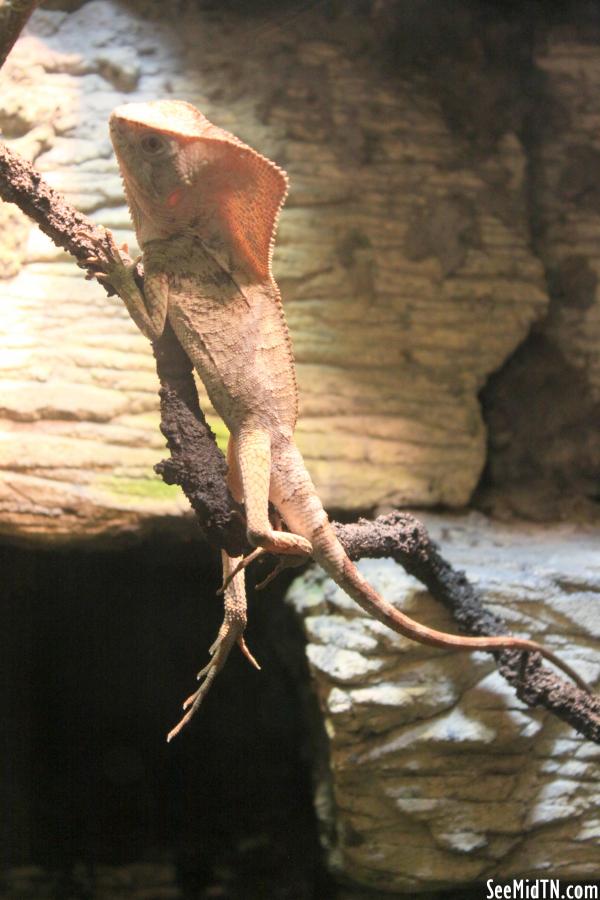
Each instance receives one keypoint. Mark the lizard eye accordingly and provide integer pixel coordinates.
(152, 144)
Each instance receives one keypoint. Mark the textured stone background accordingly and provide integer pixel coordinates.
(405, 251)
(434, 774)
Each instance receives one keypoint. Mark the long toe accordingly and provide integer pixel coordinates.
(230, 633)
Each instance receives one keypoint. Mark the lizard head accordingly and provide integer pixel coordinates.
(182, 174)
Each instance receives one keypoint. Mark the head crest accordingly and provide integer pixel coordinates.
(238, 192)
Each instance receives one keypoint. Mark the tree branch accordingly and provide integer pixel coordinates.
(13, 17)
(198, 466)
(405, 539)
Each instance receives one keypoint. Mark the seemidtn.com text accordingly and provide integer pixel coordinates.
(540, 889)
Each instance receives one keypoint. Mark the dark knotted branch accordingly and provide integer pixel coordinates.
(405, 539)
(13, 17)
(198, 466)
(21, 184)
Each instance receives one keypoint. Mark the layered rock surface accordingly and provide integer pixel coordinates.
(405, 280)
(434, 774)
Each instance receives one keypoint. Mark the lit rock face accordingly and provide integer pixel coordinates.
(404, 262)
(434, 774)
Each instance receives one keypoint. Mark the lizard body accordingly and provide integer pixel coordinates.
(205, 210)
(234, 315)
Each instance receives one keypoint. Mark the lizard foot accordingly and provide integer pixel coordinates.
(297, 550)
(113, 267)
(281, 543)
(111, 263)
(286, 562)
(243, 563)
(230, 633)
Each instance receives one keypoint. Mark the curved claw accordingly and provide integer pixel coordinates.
(91, 260)
(270, 577)
(244, 648)
(94, 267)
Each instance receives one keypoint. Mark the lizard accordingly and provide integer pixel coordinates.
(205, 208)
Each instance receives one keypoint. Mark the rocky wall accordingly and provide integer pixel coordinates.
(543, 408)
(405, 262)
(433, 774)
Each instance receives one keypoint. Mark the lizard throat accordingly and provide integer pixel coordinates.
(151, 219)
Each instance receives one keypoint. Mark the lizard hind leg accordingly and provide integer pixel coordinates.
(250, 479)
(253, 454)
(234, 483)
(231, 632)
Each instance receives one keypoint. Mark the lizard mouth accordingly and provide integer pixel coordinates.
(118, 133)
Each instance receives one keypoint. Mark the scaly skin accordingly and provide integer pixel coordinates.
(205, 209)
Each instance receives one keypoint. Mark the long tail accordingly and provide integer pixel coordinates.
(330, 554)
(294, 494)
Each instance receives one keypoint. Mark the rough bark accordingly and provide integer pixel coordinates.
(13, 16)
(196, 463)
(64, 225)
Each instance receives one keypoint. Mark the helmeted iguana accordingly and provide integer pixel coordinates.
(205, 209)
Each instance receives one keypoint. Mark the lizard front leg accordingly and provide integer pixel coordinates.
(148, 309)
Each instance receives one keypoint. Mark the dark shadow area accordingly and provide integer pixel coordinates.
(98, 651)
(543, 438)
